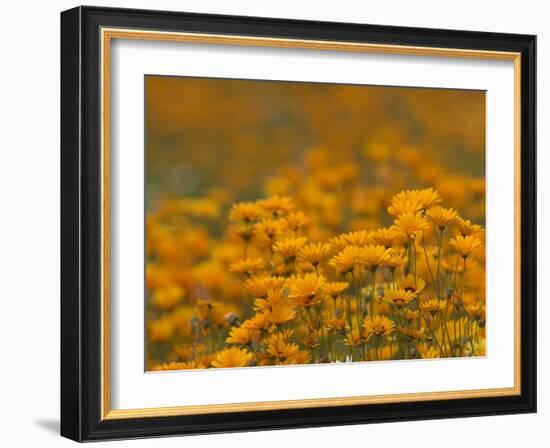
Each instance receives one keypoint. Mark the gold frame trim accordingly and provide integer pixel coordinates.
(107, 35)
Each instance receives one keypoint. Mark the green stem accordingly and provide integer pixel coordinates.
(356, 283)
(373, 297)
(429, 266)
(434, 337)
(438, 264)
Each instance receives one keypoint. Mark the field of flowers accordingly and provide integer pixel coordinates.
(341, 223)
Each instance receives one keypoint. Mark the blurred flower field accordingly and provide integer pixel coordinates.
(298, 223)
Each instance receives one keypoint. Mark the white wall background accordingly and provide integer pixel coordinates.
(29, 219)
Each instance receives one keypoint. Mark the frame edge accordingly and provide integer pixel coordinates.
(529, 222)
(71, 90)
(79, 419)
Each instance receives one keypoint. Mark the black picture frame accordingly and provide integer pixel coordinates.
(81, 209)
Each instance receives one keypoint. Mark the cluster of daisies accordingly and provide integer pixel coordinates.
(413, 289)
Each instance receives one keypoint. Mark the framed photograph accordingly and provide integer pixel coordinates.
(276, 224)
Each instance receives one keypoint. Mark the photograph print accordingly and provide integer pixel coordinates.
(292, 223)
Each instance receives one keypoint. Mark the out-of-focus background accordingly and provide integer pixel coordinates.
(208, 136)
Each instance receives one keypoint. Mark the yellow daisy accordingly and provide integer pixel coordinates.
(432, 306)
(373, 256)
(297, 220)
(441, 217)
(290, 247)
(232, 357)
(269, 228)
(412, 333)
(300, 357)
(360, 238)
(170, 366)
(278, 346)
(334, 289)
(273, 297)
(466, 228)
(336, 323)
(346, 261)
(243, 336)
(378, 325)
(248, 266)
(353, 338)
(258, 286)
(277, 206)
(412, 283)
(396, 259)
(427, 352)
(281, 312)
(245, 211)
(385, 237)
(339, 242)
(398, 297)
(256, 322)
(412, 201)
(307, 290)
(314, 253)
(465, 245)
(411, 224)
(410, 315)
